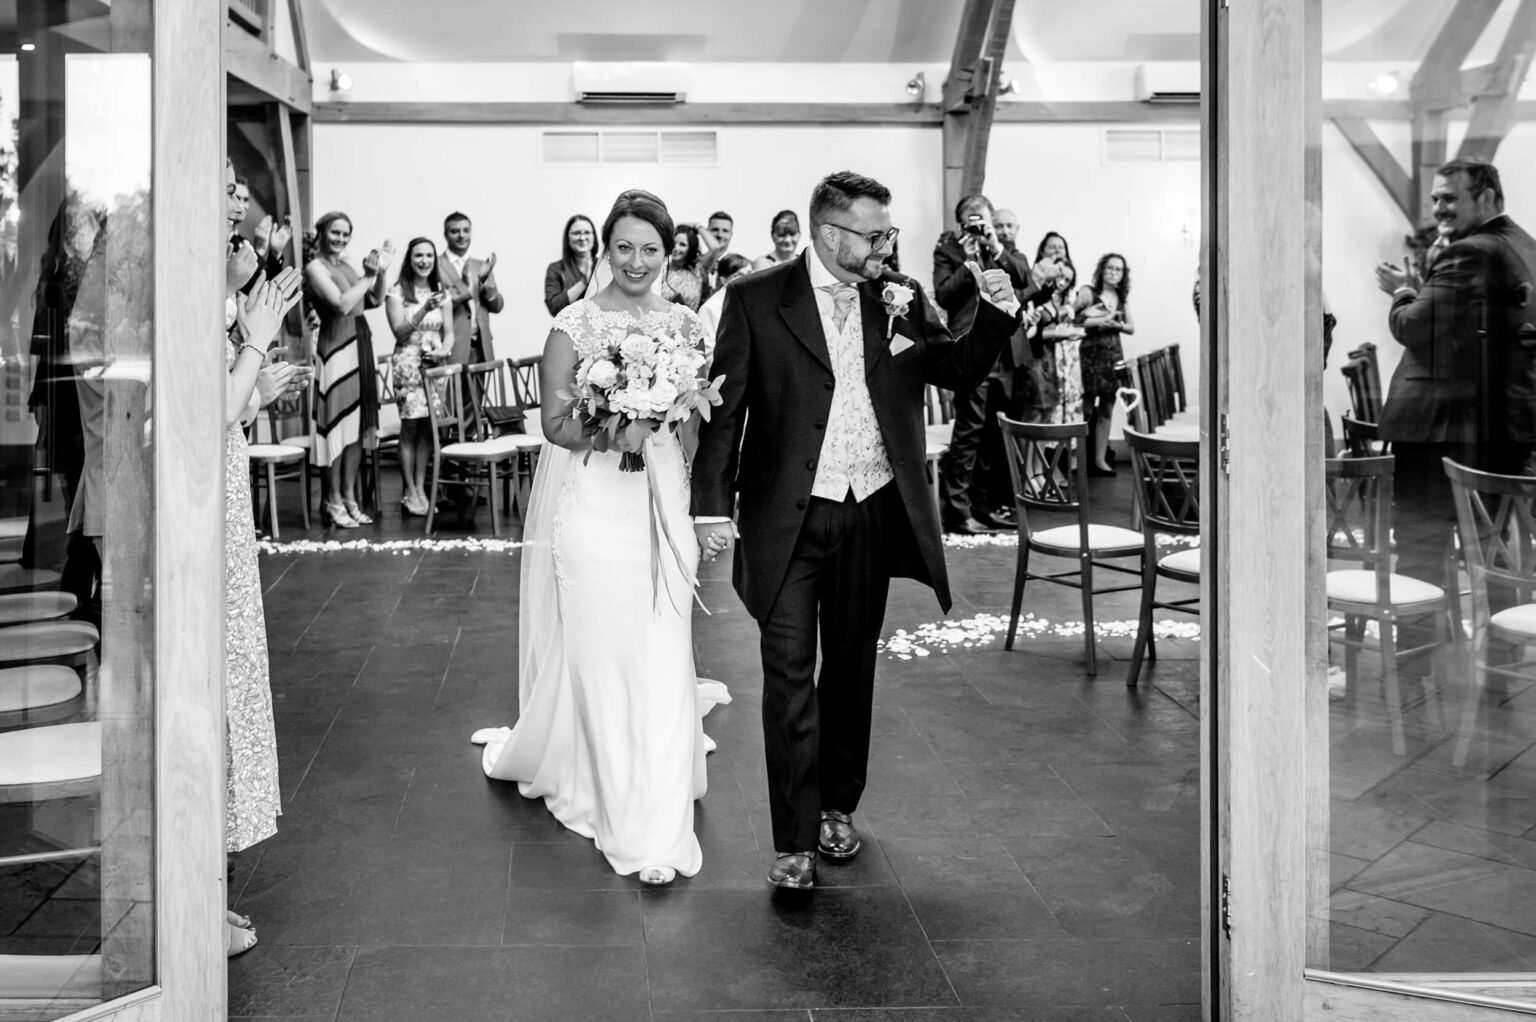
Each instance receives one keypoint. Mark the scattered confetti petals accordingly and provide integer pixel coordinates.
(983, 630)
(471, 544)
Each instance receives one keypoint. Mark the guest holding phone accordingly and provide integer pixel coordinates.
(423, 337)
(565, 279)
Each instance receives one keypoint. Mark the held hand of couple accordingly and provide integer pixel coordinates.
(714, 538)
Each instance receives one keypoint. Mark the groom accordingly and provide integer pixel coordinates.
(821, 431)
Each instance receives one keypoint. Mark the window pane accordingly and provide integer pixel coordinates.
(76, 608)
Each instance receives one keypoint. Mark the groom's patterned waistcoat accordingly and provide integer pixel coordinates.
(853, 454)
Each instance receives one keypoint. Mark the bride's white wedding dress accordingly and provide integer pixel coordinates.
(609, 732)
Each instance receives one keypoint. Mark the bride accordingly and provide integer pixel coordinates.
(610, 733)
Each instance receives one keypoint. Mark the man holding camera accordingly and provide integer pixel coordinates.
(969, 501)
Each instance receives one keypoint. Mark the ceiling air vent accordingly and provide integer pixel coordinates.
(1131, 145)
(691, 148)
(570, 147)
(638, 82)
(630, 147)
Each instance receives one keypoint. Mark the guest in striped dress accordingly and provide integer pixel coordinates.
(347, 402)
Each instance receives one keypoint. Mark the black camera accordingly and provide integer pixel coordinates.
(976, 224)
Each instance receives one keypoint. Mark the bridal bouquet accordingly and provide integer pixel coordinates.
(632, 382)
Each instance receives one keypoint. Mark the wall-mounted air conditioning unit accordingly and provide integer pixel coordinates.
(1168, 82)
(630, 82)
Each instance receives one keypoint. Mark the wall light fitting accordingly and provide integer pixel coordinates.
(28, 47)
(340, 81)
(917, 85)
(1386, 84)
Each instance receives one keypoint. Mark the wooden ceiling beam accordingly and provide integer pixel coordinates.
(1362, 138)
(300, 36)
(1463, 26)
(253, 62)
(970, 95)
(1493, 106)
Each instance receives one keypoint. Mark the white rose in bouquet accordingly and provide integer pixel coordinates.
(638, 348)
(663, 393)
(603, 374)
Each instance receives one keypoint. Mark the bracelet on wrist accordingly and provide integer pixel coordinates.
(246, 345)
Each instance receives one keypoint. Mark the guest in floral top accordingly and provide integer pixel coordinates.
(423, 338)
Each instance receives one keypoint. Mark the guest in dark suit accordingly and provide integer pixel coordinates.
(1466, 386)
(965, 498)
(565, 279)
(472, 287)
(821, 432)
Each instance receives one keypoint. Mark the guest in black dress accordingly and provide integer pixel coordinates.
(1102, 310)
(565, 279)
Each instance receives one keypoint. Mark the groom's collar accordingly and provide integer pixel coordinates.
(820, 275)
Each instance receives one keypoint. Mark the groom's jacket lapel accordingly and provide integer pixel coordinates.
(872, 310)
(799, 312)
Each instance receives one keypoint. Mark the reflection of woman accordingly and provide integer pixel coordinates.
(70, 239)
(785, 231)
(423, 336)
(1103, 312)
(252, 802)
(609, 734)
(347, 408)
(565, 280)
(687, 278)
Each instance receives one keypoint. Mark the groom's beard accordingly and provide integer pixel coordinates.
(869, 268)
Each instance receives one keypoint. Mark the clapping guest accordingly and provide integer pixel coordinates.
(423, 337)
(686, 279)
(565, 279)
(347, 407)
(472, 288)
(1104, 313)
(785, 231)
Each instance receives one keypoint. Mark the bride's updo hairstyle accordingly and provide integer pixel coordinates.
(641, 205)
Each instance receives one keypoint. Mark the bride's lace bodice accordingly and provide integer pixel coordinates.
(593, 483)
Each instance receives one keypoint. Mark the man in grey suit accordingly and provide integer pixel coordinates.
(1466, 386)
(473, 290)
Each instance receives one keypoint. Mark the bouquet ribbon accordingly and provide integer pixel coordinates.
(662, 535)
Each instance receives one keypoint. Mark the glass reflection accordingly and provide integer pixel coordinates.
(76, 611)
(1432, 718)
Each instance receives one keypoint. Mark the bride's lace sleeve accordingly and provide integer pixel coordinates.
(693, 328)
(572, 321)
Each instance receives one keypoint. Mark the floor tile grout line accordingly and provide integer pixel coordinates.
(1030, 881)
(318, 612)
(1086, 804)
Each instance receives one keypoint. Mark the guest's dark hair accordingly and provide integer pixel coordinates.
(454, 217)
(784, 216)
(695, 248)
(732, 263)
(1481, 176)
(408, 281)
(1066, 250)
(641, 205)
(975, 198)
(241, 179)
(1123, 289)
(721, 214)
(836, 193)
(567, 253)
(323, 225)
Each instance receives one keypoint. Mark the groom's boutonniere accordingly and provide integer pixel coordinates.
(896, 298)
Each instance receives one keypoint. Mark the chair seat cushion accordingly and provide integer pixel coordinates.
(15, 578)
(1100, 538)
(45, 640)
(16, 608)
(935, 448)
(1185, 562)
(49, 755)
(37, 685)
(496, 447)
(941, 433)
(1174, 430)
(1519, 620)
(276, 452)
(1359, 587)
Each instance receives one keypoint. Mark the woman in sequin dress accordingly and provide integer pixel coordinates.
(423, 337)
(252, 802)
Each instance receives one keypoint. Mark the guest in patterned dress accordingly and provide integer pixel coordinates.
(686, 281)
(423, 338)
(1061, 341)
(252, 802)
(347, 406)
(1103, 311)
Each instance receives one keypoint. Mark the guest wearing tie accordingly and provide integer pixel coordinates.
(965, 505)
(473, 289)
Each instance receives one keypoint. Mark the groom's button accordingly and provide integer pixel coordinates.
(828, 384)
(799, 505)
(821, 425)
(811, 464)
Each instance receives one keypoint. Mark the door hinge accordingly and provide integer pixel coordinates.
(1226, 905)
(1224, 445)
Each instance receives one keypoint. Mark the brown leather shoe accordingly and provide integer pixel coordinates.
(839, 840)
(795, 870)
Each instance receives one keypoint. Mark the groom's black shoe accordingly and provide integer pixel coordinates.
(795, 870)
(839, 840)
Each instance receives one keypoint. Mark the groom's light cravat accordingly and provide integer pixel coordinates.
(853, 455)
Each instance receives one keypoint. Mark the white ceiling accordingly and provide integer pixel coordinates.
(816, 31)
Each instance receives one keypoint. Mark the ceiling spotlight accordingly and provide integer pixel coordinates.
(917, 85)
(1386, 84)
(340, 81)
(28, 47)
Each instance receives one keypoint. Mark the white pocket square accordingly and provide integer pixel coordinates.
(899, 345)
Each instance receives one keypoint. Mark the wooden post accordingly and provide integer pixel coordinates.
(1493, 108)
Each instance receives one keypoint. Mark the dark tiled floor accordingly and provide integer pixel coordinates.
(1032, 837)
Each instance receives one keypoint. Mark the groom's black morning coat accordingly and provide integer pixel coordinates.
(764, 440)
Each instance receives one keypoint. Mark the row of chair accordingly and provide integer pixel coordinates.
(1152, 390)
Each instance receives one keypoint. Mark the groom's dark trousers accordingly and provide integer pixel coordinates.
(806, 565)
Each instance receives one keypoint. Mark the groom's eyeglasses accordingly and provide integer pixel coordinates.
(877, 239)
